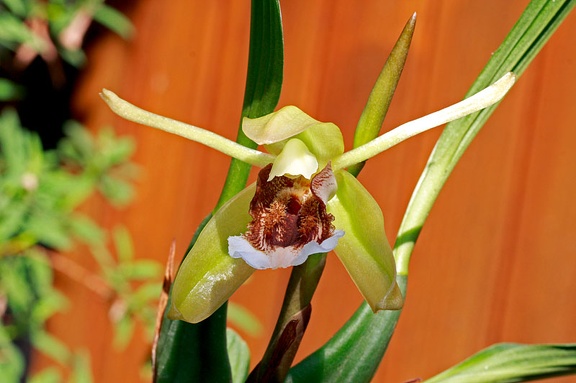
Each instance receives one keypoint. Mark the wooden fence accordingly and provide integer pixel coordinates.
(497, 259)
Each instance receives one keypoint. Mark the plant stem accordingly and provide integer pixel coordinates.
(296, 307)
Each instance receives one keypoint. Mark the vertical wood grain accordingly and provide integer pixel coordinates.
(497, 259)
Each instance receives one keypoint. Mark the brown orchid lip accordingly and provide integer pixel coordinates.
(290, 212)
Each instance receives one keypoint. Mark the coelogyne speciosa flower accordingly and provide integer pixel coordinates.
(304, 202)
(289, 220)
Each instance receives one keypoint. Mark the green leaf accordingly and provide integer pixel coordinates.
(58, 14)
(530, 33)
(18, 146)
(75, 57)
(86, 229)
(50, 230)
(48, 375)
(78, 145)
(144, 294)
(510, 362)
(143, 269)
(239, 355)
(9, 90)
(123, 244)
(263, 82)
(11, 360)
(191, 353)
(103, 160)
(12, 218)
(123, 331)
(265, 59)
(117, 191)
(114, 149)
(81, 369)
(15, 32)
(17, 7)
(51, 346)
(244, 320)
(115, 21)
(15, 285)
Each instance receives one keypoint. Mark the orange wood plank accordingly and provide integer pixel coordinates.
(496, 260)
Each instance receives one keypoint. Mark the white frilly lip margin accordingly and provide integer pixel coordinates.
(281, 257)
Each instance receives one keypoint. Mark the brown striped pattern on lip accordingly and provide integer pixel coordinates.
(290, 212)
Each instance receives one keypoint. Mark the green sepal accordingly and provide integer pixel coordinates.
(208, 275)
(364, 249)
(323, 139)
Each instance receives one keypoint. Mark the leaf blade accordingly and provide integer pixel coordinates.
(509, 362)
(180, 356)
(450, 147)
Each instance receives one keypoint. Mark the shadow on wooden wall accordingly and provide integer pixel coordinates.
(497, 259)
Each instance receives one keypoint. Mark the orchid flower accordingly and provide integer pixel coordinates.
(304, 202)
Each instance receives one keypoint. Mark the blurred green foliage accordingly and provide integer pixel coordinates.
(39, 194)
(41, 191)
(60, 25)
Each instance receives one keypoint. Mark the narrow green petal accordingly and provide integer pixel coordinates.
(324, 139)
(208, 276)
(135, 114)
(483, 99)
(364, 249)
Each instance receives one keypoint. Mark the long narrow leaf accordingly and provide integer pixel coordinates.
(198, 352)
(263, 83)
(538, 22)
(528, 36)
(509, 362)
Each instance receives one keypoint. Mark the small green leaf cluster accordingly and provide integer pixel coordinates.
(44, 25)
(133, 285)
(40, 192)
